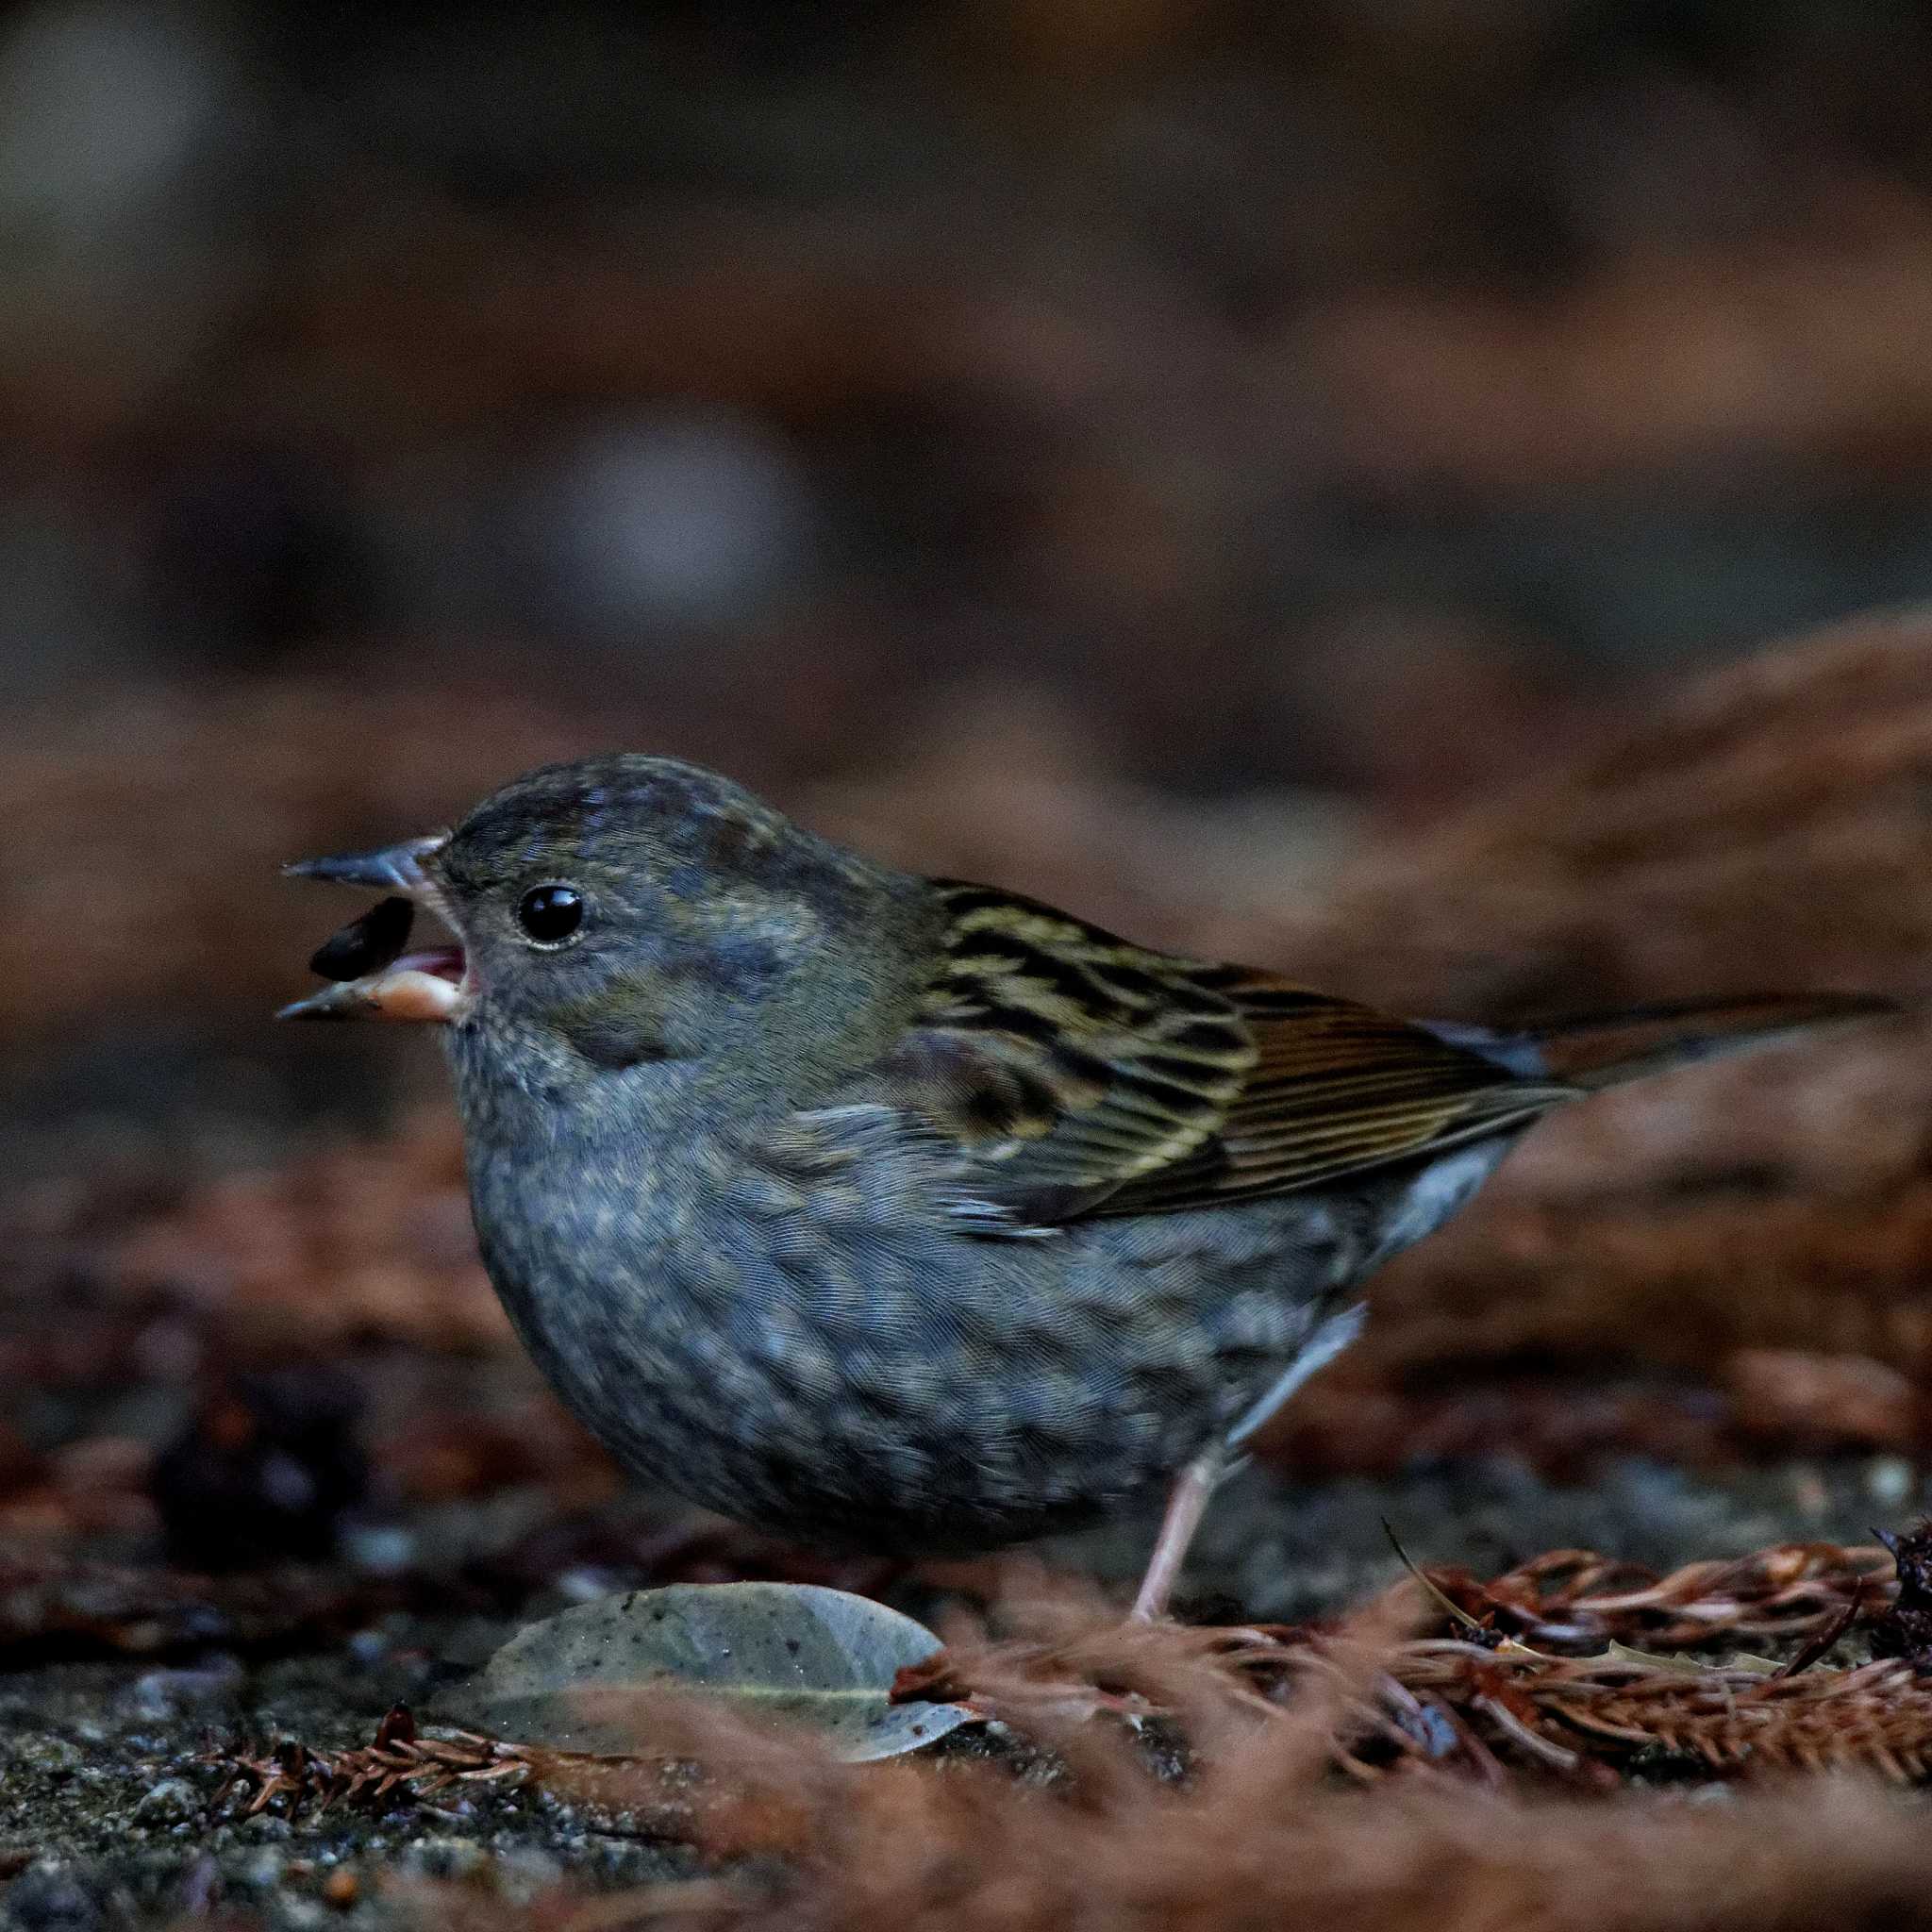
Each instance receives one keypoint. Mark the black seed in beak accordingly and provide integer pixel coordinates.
(370, 943)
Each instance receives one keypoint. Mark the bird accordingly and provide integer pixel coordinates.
(913, 1215)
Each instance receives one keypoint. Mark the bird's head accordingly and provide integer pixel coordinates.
(622, 910)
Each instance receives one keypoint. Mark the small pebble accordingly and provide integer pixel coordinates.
(168, 1802)
(165, 1693)
(1889, 1480)
(523, 1872)
(583, 1586)
(383, 1549)
(446, 1858)
(264, 1870)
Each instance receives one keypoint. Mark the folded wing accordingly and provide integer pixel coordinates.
(1079, 1075)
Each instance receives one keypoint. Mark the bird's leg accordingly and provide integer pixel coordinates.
(1185, 1504)
(1187, 1500)
(1329, 1339)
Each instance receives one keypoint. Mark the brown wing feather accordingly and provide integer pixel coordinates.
(1083, 1074)
(1337, 1088)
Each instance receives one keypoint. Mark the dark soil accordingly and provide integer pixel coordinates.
(109, 1812)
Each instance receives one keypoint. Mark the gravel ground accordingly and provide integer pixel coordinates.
(106, 1815)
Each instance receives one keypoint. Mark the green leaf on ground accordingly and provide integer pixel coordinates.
(783, 1654)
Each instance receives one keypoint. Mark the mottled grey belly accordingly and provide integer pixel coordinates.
(905, 1389)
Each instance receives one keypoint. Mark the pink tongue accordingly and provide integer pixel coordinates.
(445, 962)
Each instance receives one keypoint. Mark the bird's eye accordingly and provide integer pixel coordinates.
(550, 914)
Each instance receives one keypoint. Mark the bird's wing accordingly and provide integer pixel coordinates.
(1079, 1075)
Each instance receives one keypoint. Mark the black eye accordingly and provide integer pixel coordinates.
(550, 913)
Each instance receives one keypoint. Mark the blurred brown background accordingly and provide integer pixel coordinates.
(1256, 474)
(1346, 396)
(1290, 415)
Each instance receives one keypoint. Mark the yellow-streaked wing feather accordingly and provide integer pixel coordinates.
(1081, 1074)
(1338, 1089)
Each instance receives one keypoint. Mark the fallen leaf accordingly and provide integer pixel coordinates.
(786, 1654)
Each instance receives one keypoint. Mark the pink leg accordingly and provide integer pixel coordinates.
(1184, 1505)
(1197, 1482)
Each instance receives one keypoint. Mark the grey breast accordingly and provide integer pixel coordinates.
(825, 1362)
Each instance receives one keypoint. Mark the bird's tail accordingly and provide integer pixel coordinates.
(1596, 1050)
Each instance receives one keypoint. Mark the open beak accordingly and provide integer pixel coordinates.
(373, 977)
(389, 869)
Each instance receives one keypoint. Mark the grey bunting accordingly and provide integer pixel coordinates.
(910, 1214)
